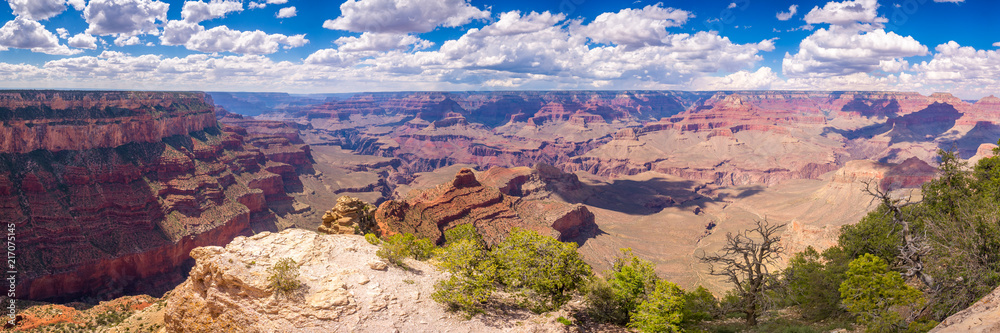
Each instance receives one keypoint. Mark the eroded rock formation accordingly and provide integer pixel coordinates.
(348, 214)
(493, 209)
(118, 187)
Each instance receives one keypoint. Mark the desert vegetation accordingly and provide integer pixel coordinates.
(283, 277)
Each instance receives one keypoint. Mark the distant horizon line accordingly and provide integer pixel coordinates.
(502, 91)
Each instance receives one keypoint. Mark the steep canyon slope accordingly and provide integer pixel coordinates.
(108, 192)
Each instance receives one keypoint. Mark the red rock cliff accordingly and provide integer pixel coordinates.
(77, 120)
(109, 192)
(504, 203)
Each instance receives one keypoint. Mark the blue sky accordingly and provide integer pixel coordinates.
(304, 46)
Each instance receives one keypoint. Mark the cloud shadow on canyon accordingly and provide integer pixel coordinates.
(651, 196)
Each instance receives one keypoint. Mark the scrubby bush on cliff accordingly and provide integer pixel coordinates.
(614, 298)
(283, 277)
(662, 311)
(631, 294)
(811, 282)
(372, 239)
(465, 231)
(541, 272)
(699, 305)
(879, 298)
(472, 280)
(397, 247)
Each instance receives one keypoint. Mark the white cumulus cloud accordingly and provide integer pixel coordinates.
(77, 4)
(404, 16)
(37, 9)
(83, 41)
(842, 51)
(223, 39)
(130, 17)
(125, 40)
(846, 13)
(287, 12)
(763, 78)
(635, 27)
(24, 33)
(370, 41)
(785, 16)
(179, 32)
(332, 57)
(965, 67)
(197, 11)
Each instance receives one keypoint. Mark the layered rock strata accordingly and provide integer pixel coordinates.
(345, 216)
(109, 191)
(727, 138)
(493, 210)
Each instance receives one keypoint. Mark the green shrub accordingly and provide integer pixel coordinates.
(874, 234)
(699, 305)
(661, 311)
(283, 277)
(465, 231)
(564, 321)
(613, 299)
(540, 270)
(372, 239)
(876, 295)
(813, 285)
(472, 278)
(422, 249)
(401, 246)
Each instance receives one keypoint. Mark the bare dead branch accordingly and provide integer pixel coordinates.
(744, 262)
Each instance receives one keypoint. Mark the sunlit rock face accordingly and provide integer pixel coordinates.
(503, 200)
(108, 192)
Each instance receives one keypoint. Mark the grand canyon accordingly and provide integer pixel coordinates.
(110, 192)
(260, 166)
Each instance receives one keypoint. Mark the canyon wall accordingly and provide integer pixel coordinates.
(726, 138)
(109, 191)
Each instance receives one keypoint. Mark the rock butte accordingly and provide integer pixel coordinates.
(502, 203)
